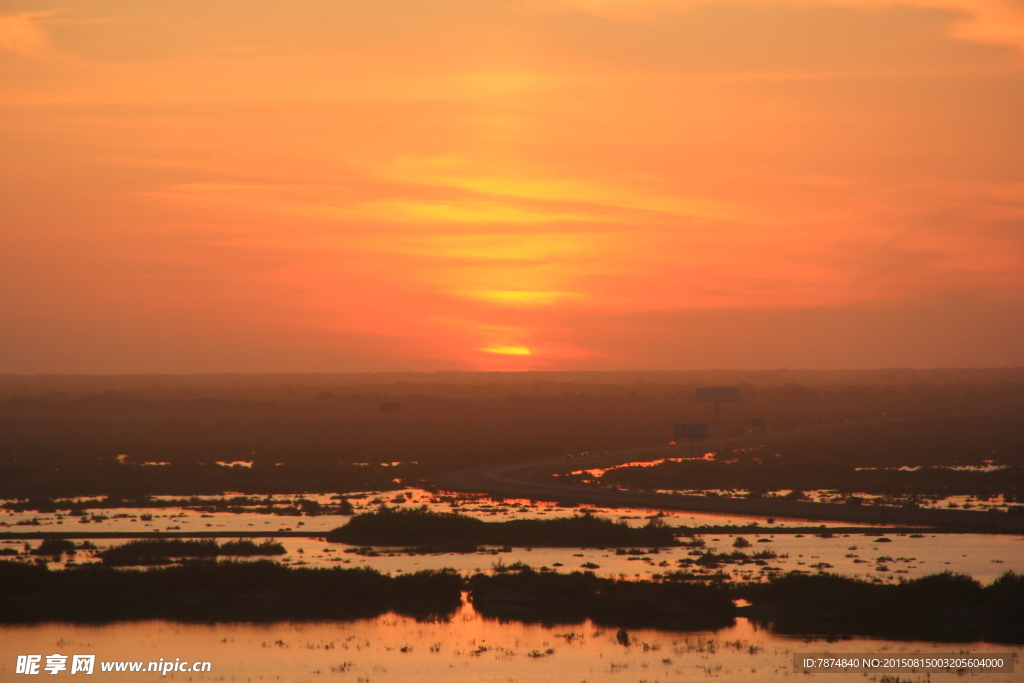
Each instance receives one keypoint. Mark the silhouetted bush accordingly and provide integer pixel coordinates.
(54, 546)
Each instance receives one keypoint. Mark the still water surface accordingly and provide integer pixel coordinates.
(467, 648)
(473, 649)
(983, 556)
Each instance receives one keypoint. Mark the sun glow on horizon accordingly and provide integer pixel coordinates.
(507, 350)
(524, 297)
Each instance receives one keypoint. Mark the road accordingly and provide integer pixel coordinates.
(534, 481)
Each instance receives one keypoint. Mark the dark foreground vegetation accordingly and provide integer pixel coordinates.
(164, 550)
(941, 607)
(209, 591)
(547, 597)
(130, 436)
(422, 527)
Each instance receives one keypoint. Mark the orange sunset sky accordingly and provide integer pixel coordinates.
(349, 185)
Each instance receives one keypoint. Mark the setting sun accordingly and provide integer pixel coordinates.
(507, 350)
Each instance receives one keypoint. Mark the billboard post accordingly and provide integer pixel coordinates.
(691, 431)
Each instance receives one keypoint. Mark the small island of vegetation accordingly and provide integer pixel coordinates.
(451, 531)
(151, 551)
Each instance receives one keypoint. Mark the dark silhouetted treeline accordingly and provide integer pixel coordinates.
(548, 597)
(422, 527)
(204, 590)
(941, 607)
(62, 436)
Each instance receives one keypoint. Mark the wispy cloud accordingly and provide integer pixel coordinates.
(507, 178)
(22, 33)
(985, 21)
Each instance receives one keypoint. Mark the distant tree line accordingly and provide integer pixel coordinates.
(864, 459)
(76, 436)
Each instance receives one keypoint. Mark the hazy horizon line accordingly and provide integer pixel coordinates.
(236, 373)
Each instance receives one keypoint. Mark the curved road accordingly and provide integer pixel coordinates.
(534, 481)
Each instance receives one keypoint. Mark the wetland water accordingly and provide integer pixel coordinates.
(469, 647)
(465, 648)
(983, 556)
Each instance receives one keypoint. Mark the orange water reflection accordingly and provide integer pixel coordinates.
(467, 648)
